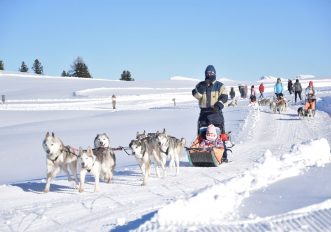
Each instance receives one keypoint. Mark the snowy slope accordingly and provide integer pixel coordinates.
(277, 180)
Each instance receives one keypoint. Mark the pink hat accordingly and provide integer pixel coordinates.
(211, 134)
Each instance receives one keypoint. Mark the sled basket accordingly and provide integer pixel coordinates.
(204, 157)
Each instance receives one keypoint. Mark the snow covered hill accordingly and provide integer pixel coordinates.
(277, 180)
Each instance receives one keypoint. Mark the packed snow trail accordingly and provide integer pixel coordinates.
(126, 205)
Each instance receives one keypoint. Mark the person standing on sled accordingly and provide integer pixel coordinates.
(212, 95)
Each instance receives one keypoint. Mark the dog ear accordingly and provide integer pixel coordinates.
(89, 150)
(47, 134)
(164, 130)
(53, 134)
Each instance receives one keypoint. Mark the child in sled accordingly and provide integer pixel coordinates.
(212, 139)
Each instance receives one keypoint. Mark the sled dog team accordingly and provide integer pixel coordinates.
(100, 161)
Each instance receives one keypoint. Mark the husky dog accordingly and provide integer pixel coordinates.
(273, 106)
(102, 140)
(59, 157)
(234, 102)
(97, 161)
(264, 102)
(141, 136)
(305, 113)
(281, 105)
(171, 146)
(147, 150)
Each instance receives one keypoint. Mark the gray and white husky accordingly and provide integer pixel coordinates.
(99, 162)
(172, 147)
(146, 151)
(103, 141)
(59, 157)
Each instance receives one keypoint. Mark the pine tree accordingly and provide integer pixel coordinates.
(64, 74)
(24, 67)
(37, 67)
(126, 76)
(2, 67)
(80, 69)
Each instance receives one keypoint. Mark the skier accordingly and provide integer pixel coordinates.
(212, 96)
(297, 90)
(310, 97)
(261, 89)
(278, 89)
(290, 86)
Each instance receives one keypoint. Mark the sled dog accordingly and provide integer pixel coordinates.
(98, 162)
(234, 102)
(146, 151)
(59, 157)
(264, 102)
(103, 141)
(172, 147)
(281, 105)
(302, 113)
(141, 136)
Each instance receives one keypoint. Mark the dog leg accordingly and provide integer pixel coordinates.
(146, 171)
(73, 169)
(50, 176)
(177, 162)
(96, 180)
(82, 180)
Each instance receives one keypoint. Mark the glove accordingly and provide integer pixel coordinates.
(201, 87)
(218, 106)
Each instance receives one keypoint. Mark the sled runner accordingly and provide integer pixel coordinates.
(206, 156)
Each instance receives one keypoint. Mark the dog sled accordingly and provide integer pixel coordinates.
(201, 156)
(309, 109)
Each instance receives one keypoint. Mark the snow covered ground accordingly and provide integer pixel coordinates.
(277, 180)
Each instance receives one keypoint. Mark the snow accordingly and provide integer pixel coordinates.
(277, 180)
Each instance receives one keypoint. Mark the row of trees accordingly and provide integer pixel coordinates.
(78, 69)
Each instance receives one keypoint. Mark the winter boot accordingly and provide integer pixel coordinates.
(225, 154)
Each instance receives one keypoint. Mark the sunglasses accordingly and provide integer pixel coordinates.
(210, 73)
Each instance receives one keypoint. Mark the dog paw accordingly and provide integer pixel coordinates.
(46, 190)
(81, 190)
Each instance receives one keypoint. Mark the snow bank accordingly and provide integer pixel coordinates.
(220, 202)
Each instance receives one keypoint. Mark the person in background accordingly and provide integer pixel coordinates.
(310, 96)
(297, 90)
(278, 89)
(232, 93)
(290, 86)
(253, 94)
(113, 100)
(261, 89)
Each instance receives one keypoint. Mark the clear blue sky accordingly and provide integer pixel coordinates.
(157, 39)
